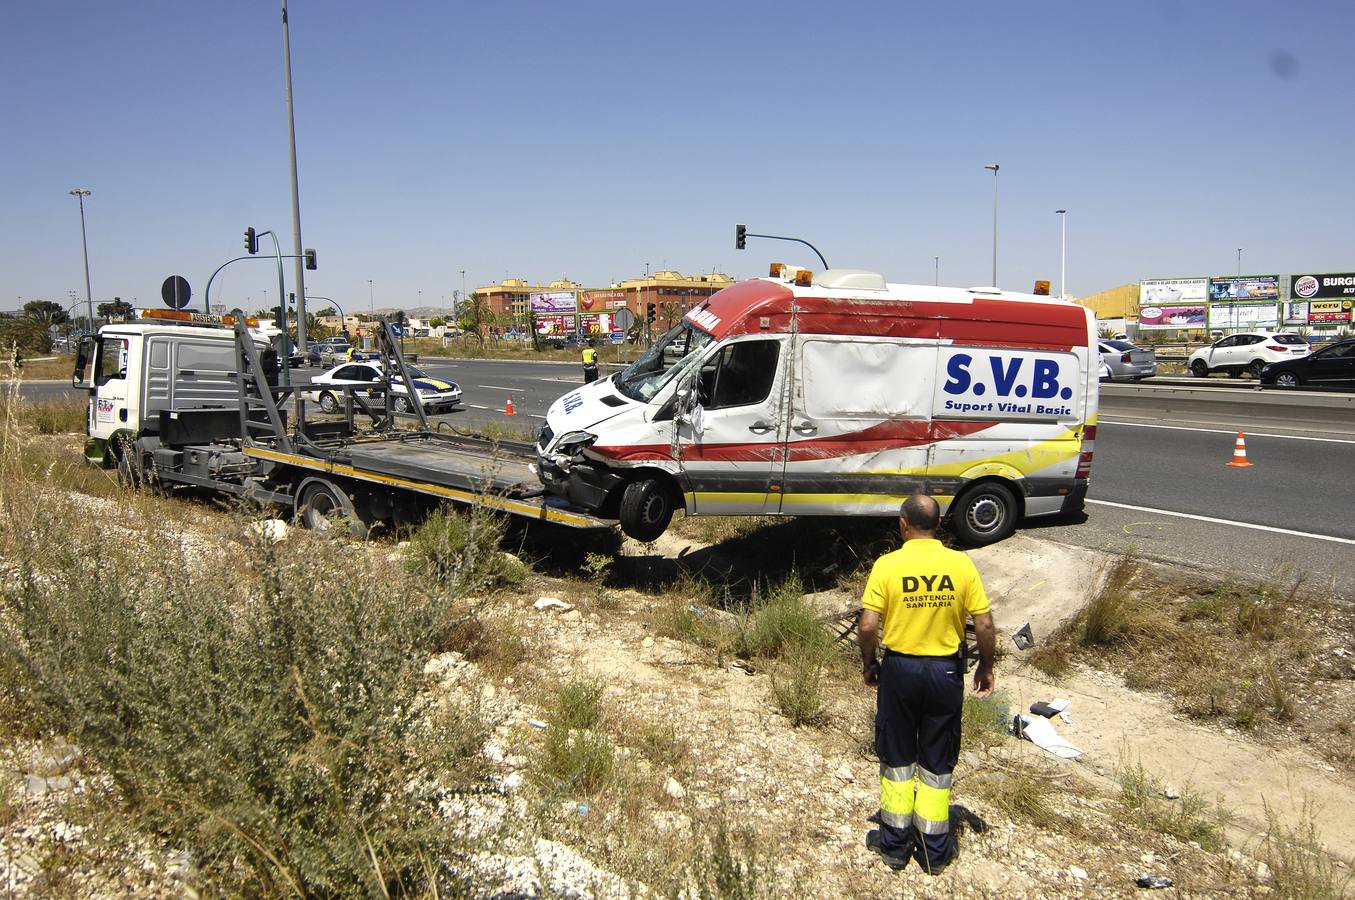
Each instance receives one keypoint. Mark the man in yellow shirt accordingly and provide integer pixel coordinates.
(921, 594)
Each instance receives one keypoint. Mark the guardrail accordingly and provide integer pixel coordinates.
(1323, 412)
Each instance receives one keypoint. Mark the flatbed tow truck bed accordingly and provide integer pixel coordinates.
(462, 469)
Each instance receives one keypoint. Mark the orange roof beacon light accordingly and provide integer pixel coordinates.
(193, 318)
(1042, 288)
(804, 278)
(777, 269)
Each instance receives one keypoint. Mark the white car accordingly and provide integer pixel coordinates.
(433, 394)
(1248, 352)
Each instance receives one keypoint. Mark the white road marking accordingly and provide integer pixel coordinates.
(1265, 434)
(499, 387)
(1180, 515)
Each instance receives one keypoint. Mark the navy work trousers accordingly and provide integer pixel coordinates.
(917, 737)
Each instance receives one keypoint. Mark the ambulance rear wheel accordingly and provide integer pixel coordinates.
(984, 514)
(646, 508)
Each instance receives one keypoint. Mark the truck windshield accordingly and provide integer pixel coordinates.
(644, 378)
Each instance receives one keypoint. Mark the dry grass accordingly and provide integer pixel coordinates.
(1300, 867)
(1189, 818)
(719, 529)
(58, 368)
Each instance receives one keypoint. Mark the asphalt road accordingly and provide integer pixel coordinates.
(1159, 481)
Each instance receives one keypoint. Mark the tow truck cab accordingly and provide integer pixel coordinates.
(164, 361)
(839, 394)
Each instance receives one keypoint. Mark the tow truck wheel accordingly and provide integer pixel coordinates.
(329, 403)
(322, 508)
(646, 509)
(984, 514)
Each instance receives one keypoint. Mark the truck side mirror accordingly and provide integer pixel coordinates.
(83, 351)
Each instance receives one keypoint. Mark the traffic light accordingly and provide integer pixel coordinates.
(251, 241)
(651, 312)
(310, 260)
(740, 236)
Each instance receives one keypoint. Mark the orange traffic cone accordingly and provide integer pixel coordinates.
(1240, 453)
(508, 410)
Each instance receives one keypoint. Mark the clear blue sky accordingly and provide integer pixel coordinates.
(587, 139)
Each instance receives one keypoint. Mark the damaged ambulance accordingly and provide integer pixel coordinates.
(837, 394)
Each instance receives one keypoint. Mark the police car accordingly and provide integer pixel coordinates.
(434, 395)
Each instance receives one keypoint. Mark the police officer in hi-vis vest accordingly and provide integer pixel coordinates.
(590, 365)
(917, 599)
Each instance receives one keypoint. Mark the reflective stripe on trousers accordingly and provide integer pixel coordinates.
(896, 795)
(931, 812)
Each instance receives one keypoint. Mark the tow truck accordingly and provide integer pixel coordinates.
(185, 400)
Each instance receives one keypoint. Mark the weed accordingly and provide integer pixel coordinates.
(495, 643)
(798, 687)
(275, 728)
(459, 549)
(1052, 657)
(1106, 619)
(782, 623)
(597, 566)
(985, 722)
(576, 756)
(62, 414)
(1189, 818)
(677, 617)
(1020, 790)
(719, 529)
(660, 743)
(1300, 867)
(729, 865)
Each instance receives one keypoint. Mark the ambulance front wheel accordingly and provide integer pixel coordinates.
(984, 514)
(646, 508)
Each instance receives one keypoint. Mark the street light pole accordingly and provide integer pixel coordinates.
(1063, 255)
(936, 276)
(994, 167)
(296, 193)
(1239, 262)
(80, 194)
(371, 298)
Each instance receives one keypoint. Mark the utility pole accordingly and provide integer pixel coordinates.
(80, 194)
(936, 278)
(1239, 262)
(296, 193)
(1063, 255)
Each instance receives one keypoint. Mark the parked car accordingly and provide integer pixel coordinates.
(310, 357)
(1127, 362)
(434, 395)
(1332, 366)
(333, 352)
(1246, 352)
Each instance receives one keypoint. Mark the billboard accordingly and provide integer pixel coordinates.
(1246, 287)
(1329, 312)
(552, 302)
(1319, 287)
(1296, 312)
(1172, 302)
(1244, 316)
(554, 324)
(595, 324)
(596, 301)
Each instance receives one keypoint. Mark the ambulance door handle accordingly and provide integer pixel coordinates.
(761, 427)
(805, 427)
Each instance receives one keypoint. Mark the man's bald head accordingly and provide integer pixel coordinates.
(921, 513)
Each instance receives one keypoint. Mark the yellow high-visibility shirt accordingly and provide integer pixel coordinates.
(590, 356)
(924, 591)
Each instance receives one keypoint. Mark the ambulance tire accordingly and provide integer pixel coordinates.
(646, 508)
(984, 514)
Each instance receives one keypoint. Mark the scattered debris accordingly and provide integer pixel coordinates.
(1153, 881)
(1024, 639)
(1041, 733)
(1078, 872)
(1171, 792)
(673, 789)
(274, 531)
(552, 603)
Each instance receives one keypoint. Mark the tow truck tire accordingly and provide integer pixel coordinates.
(328, 402)
(646, 508)
(322, 507)
(984, 514)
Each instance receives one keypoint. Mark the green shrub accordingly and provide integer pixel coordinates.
(782, 623)
(799, 690)
(459, 549)
(986, 722)
(1189, 818)
(729, 865)
(576, 756)
(261, 706)
(1300, 866)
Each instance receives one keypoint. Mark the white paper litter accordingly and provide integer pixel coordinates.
(1040, 732)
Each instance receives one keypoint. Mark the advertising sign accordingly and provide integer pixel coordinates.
(594, 301)
(1247, 287)
(1329, 312)
(1172, 316)
(595, 324)
(552, 302)
(1172, 302)
(1173, 291)
(1296, 312)
(1318, 287)
(1244, 315)
(554, 324)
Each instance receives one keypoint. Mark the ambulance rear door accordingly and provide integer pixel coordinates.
(730, 445)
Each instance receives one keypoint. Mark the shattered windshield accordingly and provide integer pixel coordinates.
(644, 378)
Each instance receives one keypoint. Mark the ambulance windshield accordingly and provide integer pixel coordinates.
(673, 352)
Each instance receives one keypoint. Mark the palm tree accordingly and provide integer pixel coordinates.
(476, 315)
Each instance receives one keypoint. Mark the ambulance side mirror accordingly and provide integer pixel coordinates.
(682, 405)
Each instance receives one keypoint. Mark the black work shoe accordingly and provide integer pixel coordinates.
(893, 860)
